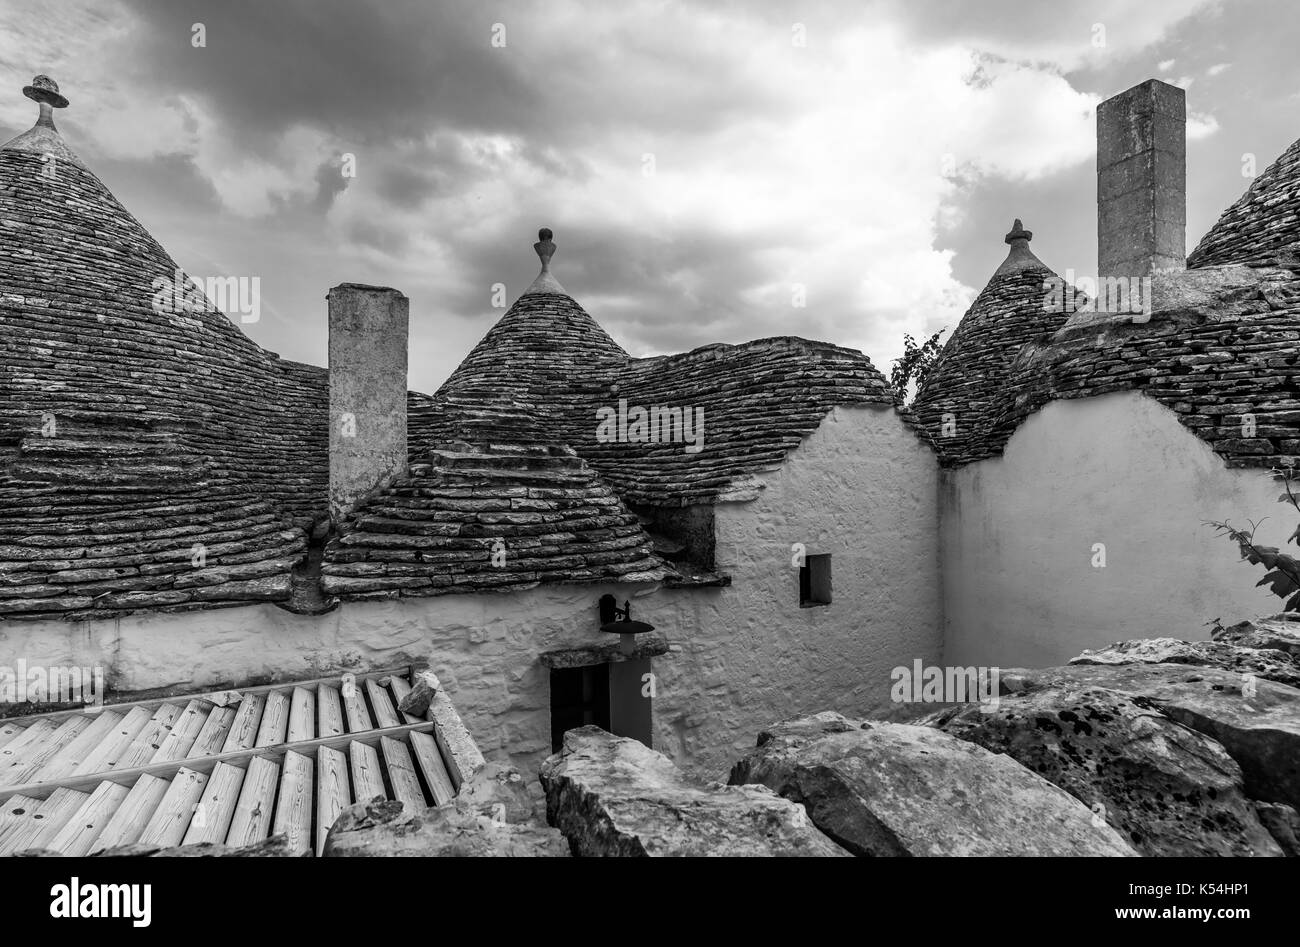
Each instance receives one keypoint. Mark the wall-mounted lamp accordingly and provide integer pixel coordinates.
(618, 621)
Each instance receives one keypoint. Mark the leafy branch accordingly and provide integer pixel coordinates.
(915, 363)
(1283, 576)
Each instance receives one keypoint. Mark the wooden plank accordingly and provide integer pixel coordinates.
(153, 703)
(401, 774)
(354, 703)
(43, 822)
(400, 689)
(385, 712)
(367, 772)
(243, 731)
(275, 720)
(8, 730)
(102, 757)
(146, 743)
(329, 711)
(29, 765)
(293, 811)
(102, 727)
(76, 838)
(213, 735)
(167, 770)
(128, 822)
(16, 810)
(185, 730)
(170, 820)
(434, 769)
(332, 793)
(216, 806)
(252, 819)
(26, 743)
(302, 715)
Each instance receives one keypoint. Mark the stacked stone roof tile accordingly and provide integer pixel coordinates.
(1229, 370)
(489, 518)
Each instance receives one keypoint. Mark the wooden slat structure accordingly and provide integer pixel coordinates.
(219, 768)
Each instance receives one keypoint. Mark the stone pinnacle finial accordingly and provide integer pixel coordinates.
(45, 91)
(544, 247)
(1019, 257)
(545, 282)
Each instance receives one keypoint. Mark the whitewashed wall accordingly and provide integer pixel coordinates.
(861, 488)
(1018, 533)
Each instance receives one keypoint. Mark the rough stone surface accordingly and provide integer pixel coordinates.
(388, 830)
(1271, 665)
(1167, 789)
(612, 796)
(1260, 729)
(1270, 634)
(501, 791)
(893, 789)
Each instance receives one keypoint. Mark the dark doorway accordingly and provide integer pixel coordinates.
(616, 697)
(579, 696)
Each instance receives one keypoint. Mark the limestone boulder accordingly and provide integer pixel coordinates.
(1280, 633)
(612, 796)
(1168, 789)
(387, 829)
(1256, 721)
(1267, 663)
(882, 788)
(499, 790)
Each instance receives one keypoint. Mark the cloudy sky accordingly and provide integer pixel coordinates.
(696, 161)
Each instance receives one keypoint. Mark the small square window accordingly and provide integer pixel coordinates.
(815, 581)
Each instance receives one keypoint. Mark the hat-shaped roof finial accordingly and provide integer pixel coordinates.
(46, 91)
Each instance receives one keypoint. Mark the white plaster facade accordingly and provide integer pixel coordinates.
(1018, 531)
(861, 488)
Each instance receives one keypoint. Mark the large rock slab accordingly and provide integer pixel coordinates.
(1274, 634)
(614, 796)
(1256, 721)
(386, 829)
(894, 789)
(1168, 789)
(1269, 664)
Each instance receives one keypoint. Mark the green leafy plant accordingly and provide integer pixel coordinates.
(1283, 575)
(914, 364)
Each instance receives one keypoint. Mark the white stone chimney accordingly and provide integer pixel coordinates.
(369, 327)
(1142, 181)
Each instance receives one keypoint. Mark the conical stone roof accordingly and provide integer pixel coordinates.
(149, 459)
(958, 403)
(1263, 226)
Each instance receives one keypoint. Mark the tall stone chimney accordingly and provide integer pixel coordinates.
(1142, 181)
(369, 326)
